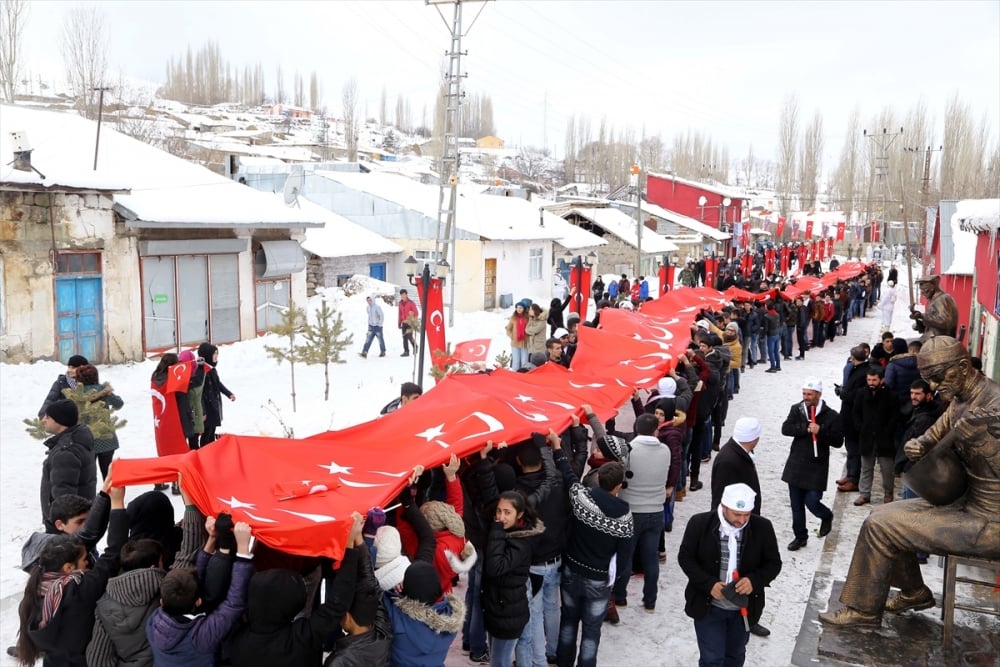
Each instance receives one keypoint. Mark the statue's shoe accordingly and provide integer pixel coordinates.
(848, 616)
(900, 602)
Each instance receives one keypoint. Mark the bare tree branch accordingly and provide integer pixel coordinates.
(13, 17)
(85, 53)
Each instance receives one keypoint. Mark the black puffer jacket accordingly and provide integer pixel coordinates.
(876, 413)
(213, 389)
(69, 467)
(505, 575)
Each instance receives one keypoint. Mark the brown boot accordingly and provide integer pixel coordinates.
(679, 494)
(612, 615)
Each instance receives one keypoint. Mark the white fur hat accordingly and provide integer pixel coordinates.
(667, 387)
(387, 544)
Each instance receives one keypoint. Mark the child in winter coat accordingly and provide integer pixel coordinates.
(119, 635)
(367, 639)
(273, 634)
(57, 612)
(179, 633)
(424, 621)
(506, 565)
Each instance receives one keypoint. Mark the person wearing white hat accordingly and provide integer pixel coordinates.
(735, 465)
(729, 555)
(814, 427)
(888, 304)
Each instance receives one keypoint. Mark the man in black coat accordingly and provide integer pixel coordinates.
(734, 465)
(69, 466)
(852, 388)
(814, 427)
(875, 415)
(716, 546)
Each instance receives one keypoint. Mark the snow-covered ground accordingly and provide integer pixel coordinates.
(360, 387)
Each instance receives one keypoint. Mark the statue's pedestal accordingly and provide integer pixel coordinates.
(910, 639)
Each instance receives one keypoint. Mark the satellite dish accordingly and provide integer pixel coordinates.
(293, 186)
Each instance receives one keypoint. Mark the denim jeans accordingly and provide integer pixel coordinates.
(706, 439)
(800, 499)
(584, 603)
(502, 652)
(722, 638)
(772, 351)
(734, 381)
(545, 614)
(518, 358)
(685, 453)
(645, 541)
(762, 348)
(523, 649)
(786, 340)
(754, 338)
(474, 627)
(373, 333)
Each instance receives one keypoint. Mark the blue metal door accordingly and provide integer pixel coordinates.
(377, 271)
(79, 318)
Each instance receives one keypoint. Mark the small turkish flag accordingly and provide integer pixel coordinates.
(471, 351)
(179, 376)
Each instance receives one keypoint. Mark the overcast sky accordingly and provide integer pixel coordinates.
(722, 68)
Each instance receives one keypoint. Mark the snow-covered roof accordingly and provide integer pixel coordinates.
(979, 215)
(281, 152)
(963, 256)
(155, 189)
(722, 190)
(490, 217)
(339, 237)
(680, 220)
(620, 225)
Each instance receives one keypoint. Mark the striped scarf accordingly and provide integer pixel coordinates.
(51, 589)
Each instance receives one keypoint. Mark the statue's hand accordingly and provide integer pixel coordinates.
(914, 450)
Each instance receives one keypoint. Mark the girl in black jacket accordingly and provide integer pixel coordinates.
(506, 566)
(211, 394)
(57, 612)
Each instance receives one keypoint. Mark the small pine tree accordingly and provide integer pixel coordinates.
(293, 323)
(324, 341)
(94, 413)
(389, 142)
(503, 360)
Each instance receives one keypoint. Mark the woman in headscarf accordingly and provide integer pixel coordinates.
(211, 395)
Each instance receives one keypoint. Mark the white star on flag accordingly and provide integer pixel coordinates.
(237, 504)
(523, 398)
(431, 433)
(335, 469)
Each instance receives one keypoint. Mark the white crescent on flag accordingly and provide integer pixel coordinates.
(440, 320)
(478, 350)
(492, 425)
(158, 396)
(530, 416)
(316, 518)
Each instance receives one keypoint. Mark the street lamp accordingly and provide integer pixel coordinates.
(578, 264)
(441, 269)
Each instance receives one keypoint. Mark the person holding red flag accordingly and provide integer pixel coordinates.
(172, 421)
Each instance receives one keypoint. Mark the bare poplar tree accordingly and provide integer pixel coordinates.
(349, 100)
(279, 86)
(963, 160)
(788, 134)
(383, 109)
(401, 114)
(849, 170)
(13, 17)
(300, 90)
(85, 53)
(314, 91)
(811, 161)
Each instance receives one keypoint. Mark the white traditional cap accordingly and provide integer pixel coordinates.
(747, 429)
(703, 324)
(667, 386)
(813, 384)
(559, 333)
(739, 497)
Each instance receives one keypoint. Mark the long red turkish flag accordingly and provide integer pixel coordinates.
(435, 322)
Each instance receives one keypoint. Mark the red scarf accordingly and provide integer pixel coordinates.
(521, 324)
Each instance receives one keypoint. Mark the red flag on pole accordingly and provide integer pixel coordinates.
(875, 231)
(809, 229)
(580, 280)
(785, 257)
(829, 247)
(840, 230)
(711, 267)
(435, 321)
(780, 229)
(822, 250)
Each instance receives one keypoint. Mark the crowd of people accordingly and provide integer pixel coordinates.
(546, 532)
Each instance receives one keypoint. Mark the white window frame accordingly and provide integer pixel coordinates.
(535, 258)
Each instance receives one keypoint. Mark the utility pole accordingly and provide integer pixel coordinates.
(448, 165)
(925, 192)
(637, 176)
(883, 141)
(100, 116)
